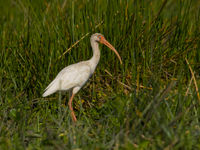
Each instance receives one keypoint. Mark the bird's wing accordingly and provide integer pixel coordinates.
(69, 77)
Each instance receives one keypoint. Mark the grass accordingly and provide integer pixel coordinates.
(149, 102)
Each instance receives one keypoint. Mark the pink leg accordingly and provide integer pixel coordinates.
(71, 108)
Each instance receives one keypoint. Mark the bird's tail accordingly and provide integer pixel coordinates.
(48, 92)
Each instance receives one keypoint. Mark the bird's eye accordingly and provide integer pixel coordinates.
(100, 37)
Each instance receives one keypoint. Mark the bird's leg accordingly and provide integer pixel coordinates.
(70, 94)
(71, 108)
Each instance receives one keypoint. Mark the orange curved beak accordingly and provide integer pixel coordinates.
(105, 42)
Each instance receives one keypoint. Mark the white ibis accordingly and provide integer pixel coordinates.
(73, 77)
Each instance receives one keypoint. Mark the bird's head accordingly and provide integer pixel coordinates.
(97, 37)
(101, 39)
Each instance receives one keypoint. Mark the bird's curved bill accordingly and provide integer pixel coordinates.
(105, 42)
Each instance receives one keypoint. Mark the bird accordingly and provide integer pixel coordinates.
(73, 77)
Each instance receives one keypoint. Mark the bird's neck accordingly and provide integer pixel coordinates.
(96, 54)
